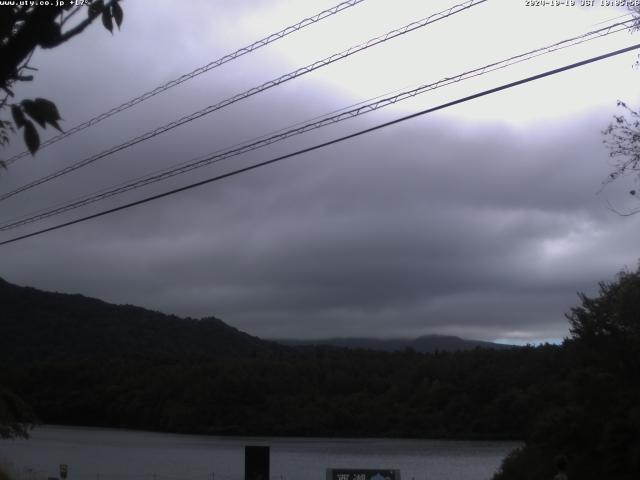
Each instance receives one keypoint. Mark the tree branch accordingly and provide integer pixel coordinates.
(20, 45)
(35, 30)
(75, 30)
(630, 213)
(73, 12)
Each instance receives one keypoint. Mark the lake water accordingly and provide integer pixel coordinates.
(107, 454)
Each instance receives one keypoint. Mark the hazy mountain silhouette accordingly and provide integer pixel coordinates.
(39, 325)
(424, 344)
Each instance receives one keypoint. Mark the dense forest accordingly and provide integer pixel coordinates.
(319, 392)
(86, 362)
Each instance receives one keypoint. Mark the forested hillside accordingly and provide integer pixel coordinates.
(321, 392)
(145, 370)
(38, 325)
(78, 360)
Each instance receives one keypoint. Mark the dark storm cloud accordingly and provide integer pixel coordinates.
(396, 234)
(432, 226)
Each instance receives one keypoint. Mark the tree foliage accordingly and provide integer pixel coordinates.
(614, 315)
(598, 424)
(16, 417)
(622, 136)
(24, 27)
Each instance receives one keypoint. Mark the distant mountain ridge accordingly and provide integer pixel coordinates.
(423, 344)
(39, 325)
(36, 325)
(80, 361)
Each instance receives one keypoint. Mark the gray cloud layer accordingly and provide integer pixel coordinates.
(432, 226)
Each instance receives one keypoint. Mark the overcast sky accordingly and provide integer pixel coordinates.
(481, 220)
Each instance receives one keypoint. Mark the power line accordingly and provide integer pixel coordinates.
(198, 71)
(159, 171)
(327, 143)
(253, 91)
(343, 114)
(616, 18)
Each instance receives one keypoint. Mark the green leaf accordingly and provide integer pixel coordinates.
(106, 20)
(116, 12)
(42, 111)
(49, 111)
(49, 35)
(31, 109)
(31, 137)
(18, 116)
(96, 8)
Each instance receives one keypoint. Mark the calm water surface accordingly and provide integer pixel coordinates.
(106, 454)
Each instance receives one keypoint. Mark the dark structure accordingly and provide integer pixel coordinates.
(256, 463)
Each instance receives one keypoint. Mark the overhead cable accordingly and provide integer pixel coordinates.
(253, 91)
(326, 144)
(358, 110)
(198, 71)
